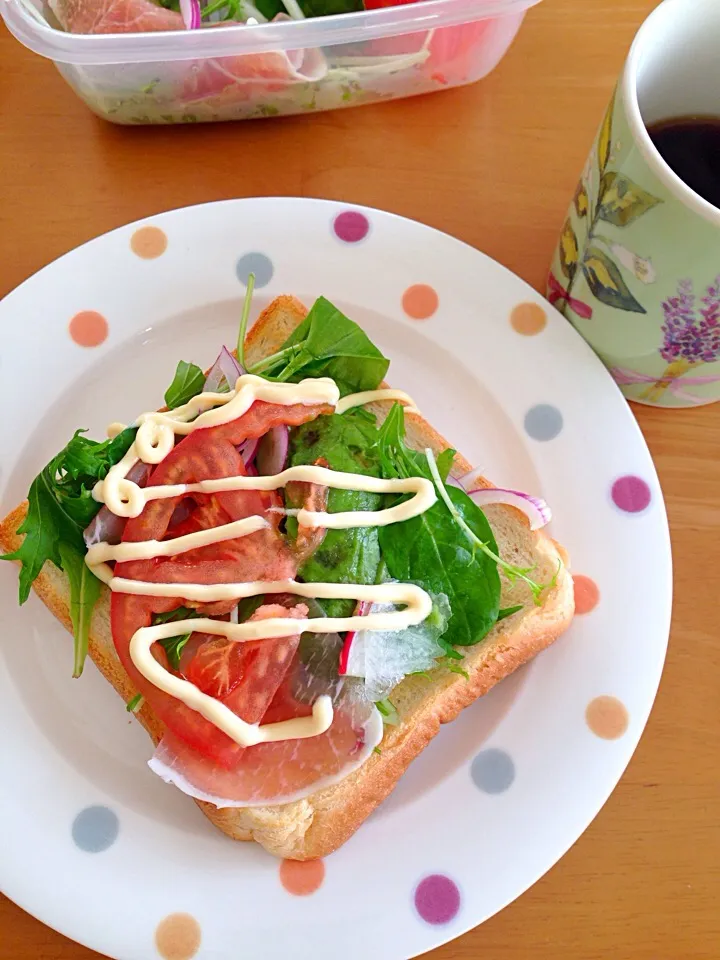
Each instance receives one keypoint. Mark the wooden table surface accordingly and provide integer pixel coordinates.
(494, 164)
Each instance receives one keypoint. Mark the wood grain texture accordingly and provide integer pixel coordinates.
(495, 165)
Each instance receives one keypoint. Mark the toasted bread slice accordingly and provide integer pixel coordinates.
(320, 823)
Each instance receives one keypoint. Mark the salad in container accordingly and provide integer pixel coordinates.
(189, 61)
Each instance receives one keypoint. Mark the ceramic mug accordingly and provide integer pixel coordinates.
(637, 267)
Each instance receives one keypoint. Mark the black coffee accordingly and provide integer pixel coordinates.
(691, 147)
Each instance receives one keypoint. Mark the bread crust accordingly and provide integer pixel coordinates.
(316, 825)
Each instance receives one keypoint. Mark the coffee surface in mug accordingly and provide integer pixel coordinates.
(691, 148)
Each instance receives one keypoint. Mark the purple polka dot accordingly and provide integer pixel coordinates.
(437, 899)
(631, 494)
(351, 226)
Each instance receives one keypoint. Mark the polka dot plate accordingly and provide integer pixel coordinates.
(98, 847)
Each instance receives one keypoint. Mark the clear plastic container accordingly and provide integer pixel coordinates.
(274, 69)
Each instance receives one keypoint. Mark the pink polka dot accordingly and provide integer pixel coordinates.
(88, 328)
(351, 226)
(631, 494)
(586, 592)
(437, 899)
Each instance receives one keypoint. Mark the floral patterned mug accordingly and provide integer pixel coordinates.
(637, 267)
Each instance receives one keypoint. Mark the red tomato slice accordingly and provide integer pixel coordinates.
(221, 664)
(205, 454)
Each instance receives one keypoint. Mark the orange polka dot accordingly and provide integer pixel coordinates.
(178, 937)
(587, 594)
(88, 328)
(420, 301)
(149, 242)
(528, 319)
(607, 717)
(302, 877)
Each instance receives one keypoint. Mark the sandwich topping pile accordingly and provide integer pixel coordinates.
(278, 561)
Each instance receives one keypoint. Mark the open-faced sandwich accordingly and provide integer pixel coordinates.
(289, 577)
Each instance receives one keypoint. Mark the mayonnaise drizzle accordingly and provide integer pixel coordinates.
(370, 396)
(155, 438)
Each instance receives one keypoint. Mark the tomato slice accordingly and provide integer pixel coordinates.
(259, 666)
(209, 454)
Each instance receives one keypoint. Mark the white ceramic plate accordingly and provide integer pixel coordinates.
(98, 847)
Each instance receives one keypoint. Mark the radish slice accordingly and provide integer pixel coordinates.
(535, 509)
(384, 658)
(361, 610)
(225, 369)
(272, 451)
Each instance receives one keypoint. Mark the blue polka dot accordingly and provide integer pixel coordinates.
(95, 829)
(492, 771)
(257, 263)
(543, 422)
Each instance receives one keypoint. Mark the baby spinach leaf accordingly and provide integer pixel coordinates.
(187, 383)
(432, 551)
(508, 611)
(328, 344)
(347, 443)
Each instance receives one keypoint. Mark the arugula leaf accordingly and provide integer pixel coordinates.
(430, 550)
(347, 443)
(60, 506)
(174, 645)
(134, 703)
(187, 383)
(84, 594)
(327, 344)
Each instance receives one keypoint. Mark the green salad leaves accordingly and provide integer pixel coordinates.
(449, 550)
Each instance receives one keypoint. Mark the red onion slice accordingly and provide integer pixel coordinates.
(248, 449)
(190, 11)
(361, 610)
(106, 527)
(272, 451)
(226, 368)
(535, 509)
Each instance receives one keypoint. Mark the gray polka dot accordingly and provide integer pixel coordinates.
(492, 771)
(258, 264)
(95, 829)
(543, 422)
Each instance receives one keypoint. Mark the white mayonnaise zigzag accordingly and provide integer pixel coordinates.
(154, 440)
